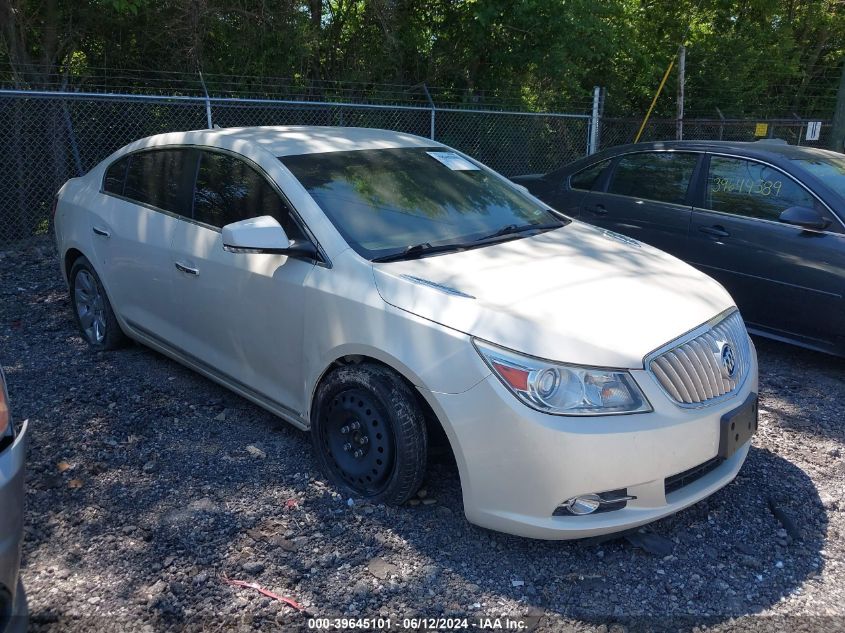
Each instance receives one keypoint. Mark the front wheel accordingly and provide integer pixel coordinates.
(91, 307)
(368, 433)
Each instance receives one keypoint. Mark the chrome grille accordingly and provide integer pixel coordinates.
(694, 371)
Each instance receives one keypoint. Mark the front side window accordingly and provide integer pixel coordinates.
(828, 168)
(586, 179)
(162, 178)
(659, 176)
(385, 201)
(116, 176)
(751, 189)
(229, 190)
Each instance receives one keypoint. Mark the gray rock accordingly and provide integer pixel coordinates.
(751, 562)
(252, 567)
(255, 452)
(361, 590)
(381, 569)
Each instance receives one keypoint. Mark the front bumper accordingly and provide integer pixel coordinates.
(11, 532)
(518, 465)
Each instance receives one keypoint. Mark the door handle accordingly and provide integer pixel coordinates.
(102, 232)
(188, 269)
(597, 209)
(715, 231)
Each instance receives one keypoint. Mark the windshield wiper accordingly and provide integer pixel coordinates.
(418, 250)
(513, 229)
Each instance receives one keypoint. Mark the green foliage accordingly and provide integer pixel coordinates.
(126, 6)
(743, 56)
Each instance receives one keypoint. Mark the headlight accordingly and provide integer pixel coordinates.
(564, 389)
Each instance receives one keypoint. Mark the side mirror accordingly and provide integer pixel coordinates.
(264, 234)
(804, 217)
(521, 187)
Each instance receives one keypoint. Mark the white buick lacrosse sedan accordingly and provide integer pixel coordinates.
(381, 289)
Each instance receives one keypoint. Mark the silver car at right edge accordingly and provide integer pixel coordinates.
(13, 610)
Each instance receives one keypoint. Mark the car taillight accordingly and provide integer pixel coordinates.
(54, 207)
(4, 406)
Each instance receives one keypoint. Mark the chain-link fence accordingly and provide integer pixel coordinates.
(49, 137)
(616, 131)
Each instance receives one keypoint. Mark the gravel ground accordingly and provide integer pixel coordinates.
(148, 485)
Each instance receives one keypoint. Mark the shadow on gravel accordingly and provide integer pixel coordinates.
(731, 557)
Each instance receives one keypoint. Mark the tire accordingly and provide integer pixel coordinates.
(92, 309)
(392, 460)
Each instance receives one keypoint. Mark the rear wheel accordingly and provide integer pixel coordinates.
(369, 434)
(92, 309)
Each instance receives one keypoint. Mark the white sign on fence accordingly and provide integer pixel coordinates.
(814, 128)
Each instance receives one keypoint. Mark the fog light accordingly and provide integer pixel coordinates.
(594, 502)
(585, 504)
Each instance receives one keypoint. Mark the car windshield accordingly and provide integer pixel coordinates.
(391, 202)
(829, 169)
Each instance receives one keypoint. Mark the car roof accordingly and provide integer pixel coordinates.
(291, 140)
(771, 148)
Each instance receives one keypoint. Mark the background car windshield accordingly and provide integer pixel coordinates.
(383, 201)
(830, 169)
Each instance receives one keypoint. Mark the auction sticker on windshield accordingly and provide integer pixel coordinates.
(453, 161)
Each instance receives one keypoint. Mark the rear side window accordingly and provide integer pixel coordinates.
(659, 176)
(586, 178)
(162, 178)
(229, 190)
(116, 176)
(752, 189)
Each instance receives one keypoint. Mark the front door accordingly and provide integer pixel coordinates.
(242, 313)
(783, 278)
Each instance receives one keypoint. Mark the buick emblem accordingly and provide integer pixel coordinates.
(728, 360)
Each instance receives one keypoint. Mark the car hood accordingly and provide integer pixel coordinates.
(577, 294)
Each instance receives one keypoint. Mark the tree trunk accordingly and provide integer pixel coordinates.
(314, 66)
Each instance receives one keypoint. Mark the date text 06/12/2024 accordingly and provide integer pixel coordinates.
(418, 624)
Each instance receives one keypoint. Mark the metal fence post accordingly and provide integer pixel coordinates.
(593, 127)
(71, 135)
(721, 124)
(433, 109)
(800, 129)
(207, 103)
(682, 70)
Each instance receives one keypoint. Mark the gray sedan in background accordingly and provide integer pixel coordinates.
(13, 611)
(764, 218)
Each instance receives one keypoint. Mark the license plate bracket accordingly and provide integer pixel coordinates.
(738, 426)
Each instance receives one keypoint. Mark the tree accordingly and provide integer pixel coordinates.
(745, 57)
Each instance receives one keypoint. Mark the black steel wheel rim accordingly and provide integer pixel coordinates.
(358, 441)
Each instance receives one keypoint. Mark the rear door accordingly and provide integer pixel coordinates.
(647, 197)
(242, 313)
(148, 193)
(783, 278)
